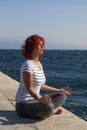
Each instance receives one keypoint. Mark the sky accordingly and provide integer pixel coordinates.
(63, 23)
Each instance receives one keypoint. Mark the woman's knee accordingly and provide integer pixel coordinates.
(63, 96)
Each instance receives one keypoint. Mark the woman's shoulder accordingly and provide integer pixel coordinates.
(27, 65)
(27, 62)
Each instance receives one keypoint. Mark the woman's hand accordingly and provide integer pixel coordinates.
(45, 99)
(66, 90)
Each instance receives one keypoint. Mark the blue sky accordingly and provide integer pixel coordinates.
(63, 23)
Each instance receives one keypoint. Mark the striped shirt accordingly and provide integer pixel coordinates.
(38, 81)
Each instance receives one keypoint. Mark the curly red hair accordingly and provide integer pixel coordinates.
(30, 44)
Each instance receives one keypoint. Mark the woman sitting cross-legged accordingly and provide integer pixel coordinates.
(29, 102)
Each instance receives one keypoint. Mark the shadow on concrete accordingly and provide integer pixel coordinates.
(10, 118)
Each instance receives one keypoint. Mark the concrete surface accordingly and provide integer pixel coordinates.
(10, 121)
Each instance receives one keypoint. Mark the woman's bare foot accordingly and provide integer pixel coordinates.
(43, 117)
(57, 111)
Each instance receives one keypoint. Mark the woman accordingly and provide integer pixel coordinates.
(29, 102)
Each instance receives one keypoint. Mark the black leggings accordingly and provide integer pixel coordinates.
(34, 109)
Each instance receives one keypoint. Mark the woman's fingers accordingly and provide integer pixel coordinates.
(66, 90)
(45, 99)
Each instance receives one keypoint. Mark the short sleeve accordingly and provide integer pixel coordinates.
(27, 67)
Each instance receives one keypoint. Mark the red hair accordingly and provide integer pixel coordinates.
(30, 44)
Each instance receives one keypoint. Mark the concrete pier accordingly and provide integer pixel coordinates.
(10, 121)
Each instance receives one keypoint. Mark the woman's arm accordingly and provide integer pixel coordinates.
(28, 81)
(66, 90)
(49, 88)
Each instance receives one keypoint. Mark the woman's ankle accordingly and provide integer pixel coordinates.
(43, 117)
(57, 111)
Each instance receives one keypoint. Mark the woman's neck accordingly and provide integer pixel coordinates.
(35, 59)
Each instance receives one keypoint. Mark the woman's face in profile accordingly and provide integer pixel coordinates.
(39, 49)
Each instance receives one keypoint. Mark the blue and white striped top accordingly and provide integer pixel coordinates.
(38, 81)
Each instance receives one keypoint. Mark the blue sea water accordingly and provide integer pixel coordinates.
(62, 67)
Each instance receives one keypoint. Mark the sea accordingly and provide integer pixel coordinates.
(61, 68)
